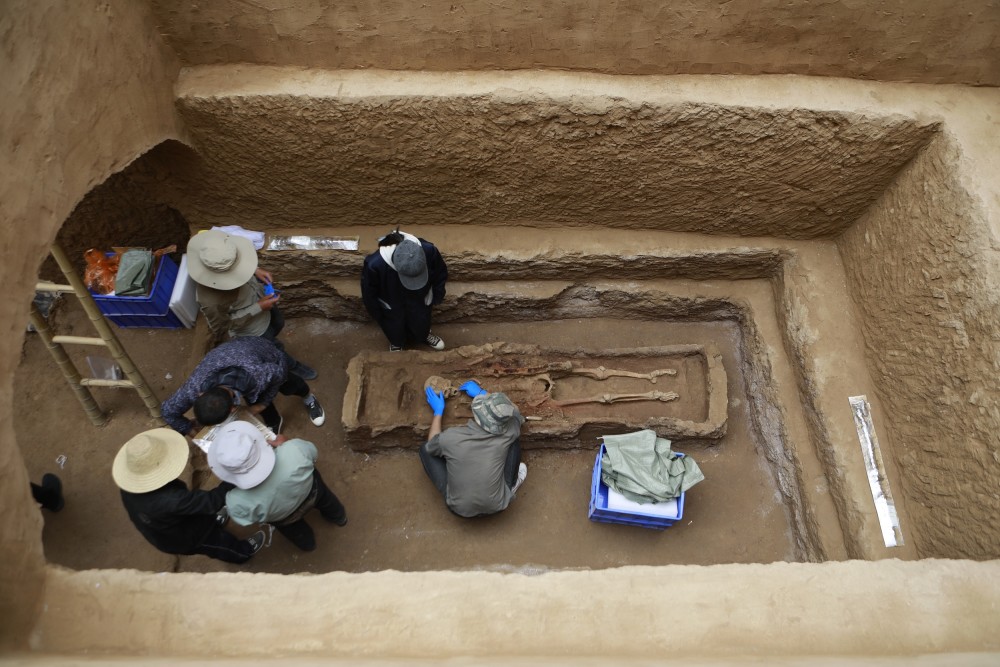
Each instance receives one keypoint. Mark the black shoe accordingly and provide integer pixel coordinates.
(257, 541)
(435, 342)
(303, 371)
(53, 488)
(316, 414)
(340, 521)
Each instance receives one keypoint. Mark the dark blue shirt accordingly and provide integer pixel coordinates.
(253, 366)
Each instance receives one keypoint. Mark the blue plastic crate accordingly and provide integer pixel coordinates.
(166, 321)
(599, 505)
(150, 310)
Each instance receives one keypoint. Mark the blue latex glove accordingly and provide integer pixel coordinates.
(472, 388)
(435, 400)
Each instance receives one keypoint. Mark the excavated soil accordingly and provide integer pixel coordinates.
(397, 519)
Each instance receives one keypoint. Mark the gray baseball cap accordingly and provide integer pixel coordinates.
(493, 411)
(411, 264)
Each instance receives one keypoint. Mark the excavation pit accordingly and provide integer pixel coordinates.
(898, 180)
(398, 521)
(582, 285)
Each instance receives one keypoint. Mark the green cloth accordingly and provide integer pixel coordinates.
(642, 467)
(135, 272)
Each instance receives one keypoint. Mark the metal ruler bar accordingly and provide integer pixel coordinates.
(885, 508)
(303, 242)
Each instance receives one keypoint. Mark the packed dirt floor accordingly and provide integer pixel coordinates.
(397, 519)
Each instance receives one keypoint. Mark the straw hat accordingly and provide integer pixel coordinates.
(150, 460)
(240, 455)
(220, 260)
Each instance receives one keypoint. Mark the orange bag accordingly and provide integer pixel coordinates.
(99, 276)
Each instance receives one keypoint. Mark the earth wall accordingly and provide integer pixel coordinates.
(923, 266)
(887, 40)
(86, 89)
(284, 148)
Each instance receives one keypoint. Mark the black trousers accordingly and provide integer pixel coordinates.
(271, 333)
(330, 508)
(410, 323)
(223, 546)
(436, 467)
(292, 386)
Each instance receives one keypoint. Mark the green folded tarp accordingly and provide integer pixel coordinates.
(643, 468)
(135, 273)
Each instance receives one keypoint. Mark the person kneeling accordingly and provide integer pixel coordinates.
(476, 467)
(276, 483)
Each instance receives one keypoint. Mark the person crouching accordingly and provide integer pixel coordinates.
(476, 467)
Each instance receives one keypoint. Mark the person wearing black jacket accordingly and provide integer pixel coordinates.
(399, 284)
(171, 517)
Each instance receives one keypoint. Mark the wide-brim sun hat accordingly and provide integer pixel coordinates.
(150, 460)
(220, 260)
(240, 455)
(410, 261)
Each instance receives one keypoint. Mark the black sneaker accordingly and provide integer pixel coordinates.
(316, 414)
(435, 342)
(257, 541)
(340, 521)
(395, 348)
(303, 371)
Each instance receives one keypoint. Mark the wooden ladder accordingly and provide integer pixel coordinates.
(77, 382)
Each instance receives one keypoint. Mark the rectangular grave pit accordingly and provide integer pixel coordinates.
(681, 392)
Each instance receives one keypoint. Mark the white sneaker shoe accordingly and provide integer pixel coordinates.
(316, 413)
(522, 474)
(435, 342)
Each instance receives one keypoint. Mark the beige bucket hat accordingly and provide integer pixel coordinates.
(220, 260)
(150, 460)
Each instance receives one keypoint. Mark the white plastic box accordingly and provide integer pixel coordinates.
(183, 300)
